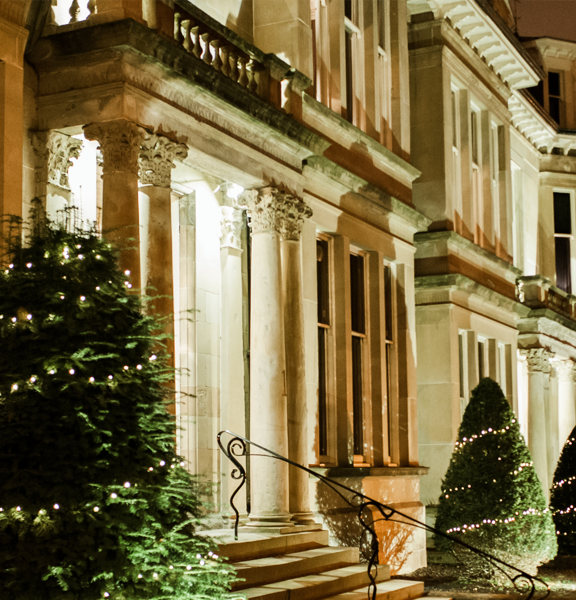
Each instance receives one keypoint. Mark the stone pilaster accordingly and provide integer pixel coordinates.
(120, 143)
(294, 212)
(53, 151)
(269, 483)
(538, 361)
(232, 391)
(155, 163)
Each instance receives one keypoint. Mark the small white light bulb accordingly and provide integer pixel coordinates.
(96, 509)
(153, 357)
(113, 495)
(91, 380)
(139, 367)
(14, 387)
(29, 265)
(127, 484)
(82, 298)
(97, 288)
(162, 463)
(56, 506)
(127, 272)
(18, 509)
(29, 317)
(110, 376)
(71, 371)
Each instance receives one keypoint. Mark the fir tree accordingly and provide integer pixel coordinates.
(491, 496)
(563, 498)
(94, 501)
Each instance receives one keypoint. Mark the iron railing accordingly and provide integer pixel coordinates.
(237, 447)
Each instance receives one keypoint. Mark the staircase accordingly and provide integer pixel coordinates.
(301, 566)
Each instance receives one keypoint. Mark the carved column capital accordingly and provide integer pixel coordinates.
(156, 160)
(294, 212)
(272, 210)
(538, 360)
(565, 370)
(53, 151)
(120, 143)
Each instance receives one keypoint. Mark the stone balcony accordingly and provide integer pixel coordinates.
(537, 292)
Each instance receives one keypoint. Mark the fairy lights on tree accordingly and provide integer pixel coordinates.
(563, 497)
(94, 501)
(491, 496)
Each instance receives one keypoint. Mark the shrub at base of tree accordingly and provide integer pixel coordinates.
(491, 496)
(563, 498)
(94, 501)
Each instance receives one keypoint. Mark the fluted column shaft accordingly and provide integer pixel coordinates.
(295, 212)
(538, 372)
(269, 481)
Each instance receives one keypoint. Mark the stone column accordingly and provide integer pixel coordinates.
(269, 477)
(53, 151)
(295, 211)
(566, 414)
(120, 143)
(231, 335)
(156, 161)
(538, 372)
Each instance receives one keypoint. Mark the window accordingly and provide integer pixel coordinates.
(562, 237)
(494, 174)
(481, 359)
(517, 216)
(351, 32)
(502, 367)
(456, 165)
(476, 174)
(384, 66)
(389, 326)
(322, 279)
(554, 96)
(357, 302)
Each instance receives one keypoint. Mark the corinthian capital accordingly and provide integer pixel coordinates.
(53, 151)
(294, 212)
(538, 359)
(265, 208)
(120, 143)
(156, 160)
(272, 210)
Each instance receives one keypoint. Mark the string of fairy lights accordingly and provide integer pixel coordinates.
(23, 318)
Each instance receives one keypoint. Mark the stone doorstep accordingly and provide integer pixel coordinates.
(394, 589)
(251, 545)
(321, 585)
(271, 569)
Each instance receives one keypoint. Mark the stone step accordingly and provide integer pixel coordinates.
(272, 569)
(394, 589)
(320, 585)
(252, 545)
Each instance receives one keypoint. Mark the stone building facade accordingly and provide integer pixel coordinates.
(348, 206)
(252, 161)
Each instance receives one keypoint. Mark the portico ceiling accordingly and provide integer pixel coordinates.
(475, 26)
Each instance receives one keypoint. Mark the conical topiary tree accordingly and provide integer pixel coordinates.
(94, 501)
(491, 496)
(563, 498)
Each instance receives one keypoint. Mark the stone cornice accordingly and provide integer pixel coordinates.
(364, 472)
(140, 56)
(553, 48)
(336, 127)
(500, 50)
(346, 182)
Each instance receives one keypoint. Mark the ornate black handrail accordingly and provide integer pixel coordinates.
(238, 446)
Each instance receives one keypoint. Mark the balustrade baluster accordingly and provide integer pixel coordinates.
(243, 78)
(186, 26)
(74, 11)
(217, 62)
(197, 50)
(92, 8)
(234, 65)
(226, 60)
(178, 28)
(252, 82)
(207, 56)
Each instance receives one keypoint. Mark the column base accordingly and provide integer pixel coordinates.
(277, 520)
(303, 518)
(281, 530)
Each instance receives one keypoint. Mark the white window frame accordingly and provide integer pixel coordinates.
(475, 113)
(495, 177)
(572, 193)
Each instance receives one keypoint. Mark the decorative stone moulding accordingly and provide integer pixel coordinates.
(120, 143)
(475, 26)
(538, 359)
(272, 210)
(156, 160)
(54, 151)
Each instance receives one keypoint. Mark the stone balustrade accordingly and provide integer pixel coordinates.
(538, 292)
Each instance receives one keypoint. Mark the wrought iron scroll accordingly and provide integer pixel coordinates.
(238, 446)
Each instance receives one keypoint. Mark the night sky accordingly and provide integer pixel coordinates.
(546, 18)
